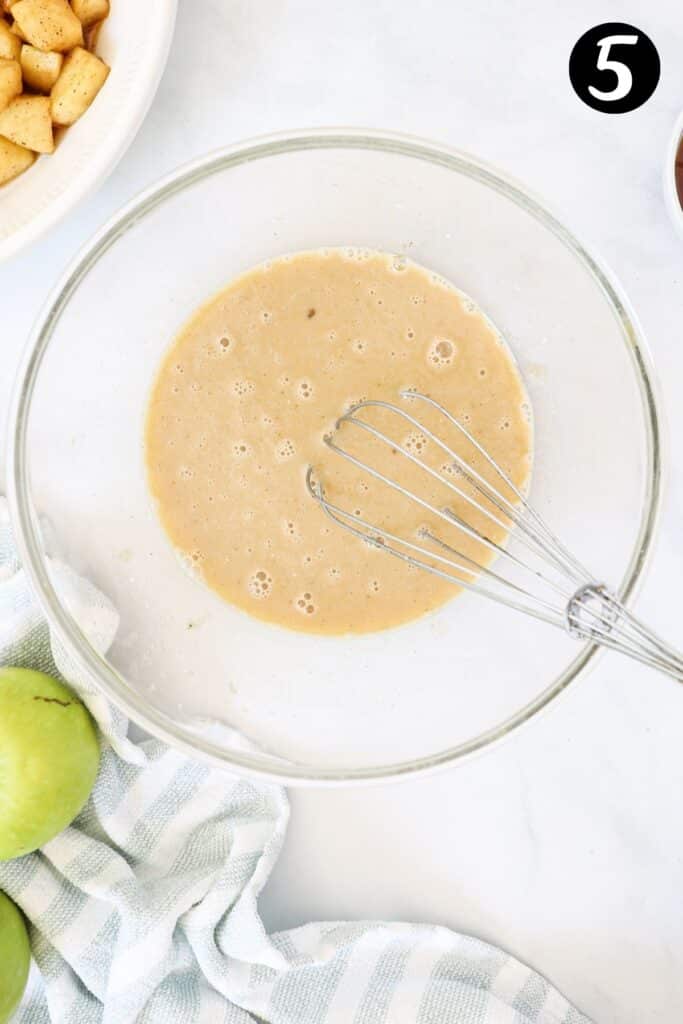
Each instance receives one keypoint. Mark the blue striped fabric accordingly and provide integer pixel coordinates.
(144, 911)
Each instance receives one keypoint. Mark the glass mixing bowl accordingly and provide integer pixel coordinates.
(318, 708)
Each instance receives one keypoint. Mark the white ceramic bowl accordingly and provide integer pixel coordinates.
(670, 194)
(136, 48)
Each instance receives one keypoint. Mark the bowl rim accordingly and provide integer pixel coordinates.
(108, 154)
(95, 667)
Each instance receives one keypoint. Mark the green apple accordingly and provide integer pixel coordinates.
(49, 756)
(15, 957)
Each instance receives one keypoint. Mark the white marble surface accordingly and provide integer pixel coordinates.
(566, 844)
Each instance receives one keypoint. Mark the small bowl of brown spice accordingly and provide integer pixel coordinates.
(673, 176)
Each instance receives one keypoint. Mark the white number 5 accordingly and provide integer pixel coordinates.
(622, 71)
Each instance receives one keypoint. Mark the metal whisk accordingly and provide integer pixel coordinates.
(540, 577)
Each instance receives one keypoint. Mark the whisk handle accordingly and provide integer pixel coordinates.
(596, 614)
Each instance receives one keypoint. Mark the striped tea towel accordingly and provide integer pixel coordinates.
(144, 911)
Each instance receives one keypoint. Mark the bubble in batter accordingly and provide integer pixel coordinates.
(441, 353)
(188, 564)
(415, 442)
(290, 529)
(260, 584)
(304, 604)
(284, 450)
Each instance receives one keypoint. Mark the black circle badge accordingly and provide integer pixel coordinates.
(614, 67)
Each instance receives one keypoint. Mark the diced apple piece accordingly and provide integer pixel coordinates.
(48, 24)
(90, 11)
(40, 69)
(81, 78)
(10, 81)
(91, 35)
(27, 122)
(16, 31)
(10, 45)
(14, 160)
